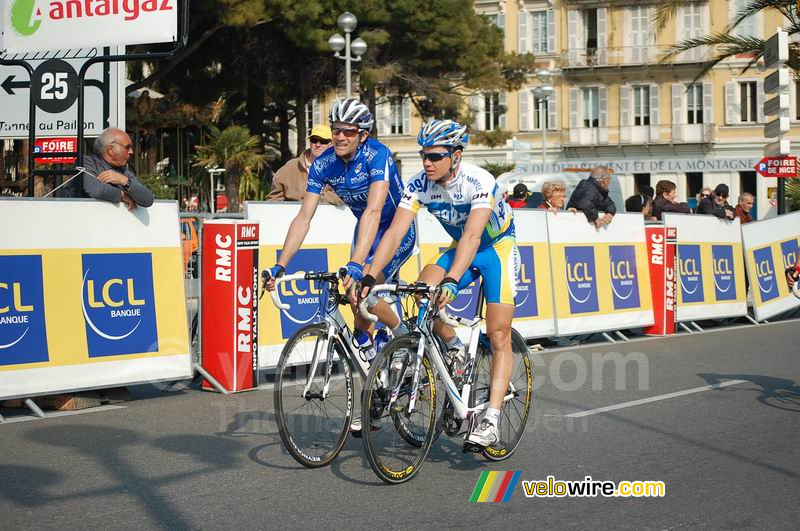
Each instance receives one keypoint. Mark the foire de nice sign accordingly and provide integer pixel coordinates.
(46, 25)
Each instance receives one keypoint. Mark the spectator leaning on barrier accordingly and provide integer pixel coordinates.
(666, 191)
(291, 180)
(554, 196)
(519, 198)
(108, 177)
(717, 204)
(640, 203)
(591, 197)
(742, 210)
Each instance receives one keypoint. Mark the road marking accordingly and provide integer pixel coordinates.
(654, 399)
(56, 414)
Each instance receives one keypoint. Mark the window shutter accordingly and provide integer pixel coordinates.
(524, 96)
(575, 48)
(552, 111)
(502, 100)
(708, 109)
(316, 114)
(501, 22)
(602, 38)
(732, 107)
(760, 101)
(677, 111)
(655, 115)
(406, 116)
(522, 31)
(625, 113)
(574, 108)
(383, 110)
(476, 108)
(551, 31)
(603, 99)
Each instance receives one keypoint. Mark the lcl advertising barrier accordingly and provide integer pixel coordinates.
(91, 296)
(770, 246)
(661, 258)
(600, 277)
(230, 286)
(710, 267)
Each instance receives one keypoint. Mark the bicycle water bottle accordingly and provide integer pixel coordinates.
(364, 344)
(381, 338)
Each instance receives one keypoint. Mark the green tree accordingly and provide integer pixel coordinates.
(235, 149)
(727, 43)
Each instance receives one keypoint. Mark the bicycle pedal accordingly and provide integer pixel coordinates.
(472, 447)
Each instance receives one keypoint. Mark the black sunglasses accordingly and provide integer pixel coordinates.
(435, 156)
(723, 196)
(323, 141)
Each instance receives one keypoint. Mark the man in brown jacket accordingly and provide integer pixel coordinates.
(742, 211)
(289, 182)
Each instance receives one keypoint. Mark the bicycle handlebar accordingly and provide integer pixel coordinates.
(276, 299)
(421, 289)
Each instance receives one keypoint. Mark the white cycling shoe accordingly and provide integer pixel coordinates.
(484, 435)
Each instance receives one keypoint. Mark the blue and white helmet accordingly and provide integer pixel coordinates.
(352, 111)
(443, 133)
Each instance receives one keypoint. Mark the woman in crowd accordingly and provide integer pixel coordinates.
(640, 203)
(554, 193)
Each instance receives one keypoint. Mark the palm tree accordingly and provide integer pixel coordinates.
(727, 43)
(235, 149)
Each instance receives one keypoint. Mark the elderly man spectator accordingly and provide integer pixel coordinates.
(519, 197)
(717, 205)
(666, 192)
(554, 193)
(591, 197)
(107, 176)
(290, 182)
(742, 210)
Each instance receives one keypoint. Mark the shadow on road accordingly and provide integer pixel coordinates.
(780, 393)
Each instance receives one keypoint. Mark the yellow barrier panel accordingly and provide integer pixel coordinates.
(710, 267)
(770, 246)
(601, 277)
(90, 296)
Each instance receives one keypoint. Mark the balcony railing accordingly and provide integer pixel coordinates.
(647, 55)
(638, 135)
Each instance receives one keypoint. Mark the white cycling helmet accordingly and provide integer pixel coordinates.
(352, 111)
(443, 133)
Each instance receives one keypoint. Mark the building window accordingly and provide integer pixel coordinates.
(396, 115)
(540, 112)
(694, 183)
(694, 103)
(747, 28)
(641, 105)
(747, 101)
(591, 107)
(539, 31)
(309, 116)
(590, 29)
(641, 181)
(491, 111)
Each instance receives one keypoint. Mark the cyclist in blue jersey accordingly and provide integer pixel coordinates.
(468, 203)
(363, 174)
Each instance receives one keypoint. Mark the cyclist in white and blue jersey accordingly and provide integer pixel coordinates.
(468, 203)
(363, 174)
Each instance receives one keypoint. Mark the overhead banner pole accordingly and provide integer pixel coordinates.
(776, 54)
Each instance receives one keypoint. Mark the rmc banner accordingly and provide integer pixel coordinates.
(710, 267)
(45, 25)
(600, 277)
(91, 296)
(770, 246)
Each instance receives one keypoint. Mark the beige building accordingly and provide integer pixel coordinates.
(615, 101)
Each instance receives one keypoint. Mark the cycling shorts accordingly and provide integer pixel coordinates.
(401, 255)
(498, 265)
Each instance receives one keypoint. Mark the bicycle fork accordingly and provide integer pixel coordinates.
(328, 363)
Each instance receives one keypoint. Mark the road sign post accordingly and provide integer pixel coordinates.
(777, 163)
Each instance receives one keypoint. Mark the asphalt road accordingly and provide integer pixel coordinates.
(728, 456)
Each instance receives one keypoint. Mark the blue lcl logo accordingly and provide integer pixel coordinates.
(765, 274)
(690, 273)
(624, 281)
(724, 279)
(581, 279)
(301, 295)
(119, 304)
(23, 335)
(789, 253)
(525, 300)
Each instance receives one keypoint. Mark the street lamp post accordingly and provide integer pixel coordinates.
(213, 171)
(542, 92)
(347, 22)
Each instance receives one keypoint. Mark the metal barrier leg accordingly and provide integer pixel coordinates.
(683, 325)
(214, 383)
(751, 319)
(608, 337)
(621, 335)
(696, 326)
(35, 409)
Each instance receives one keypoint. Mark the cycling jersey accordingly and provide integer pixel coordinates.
(472, 187)
(351, 180)
(372, 162)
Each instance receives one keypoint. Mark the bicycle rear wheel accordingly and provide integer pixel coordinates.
(515, 410)
(313, 427)
(397, 441)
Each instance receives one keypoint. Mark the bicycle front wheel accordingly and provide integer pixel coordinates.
(397, 438)
(313, 403)
(516, 407)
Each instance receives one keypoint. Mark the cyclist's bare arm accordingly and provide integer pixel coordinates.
(297, 231)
